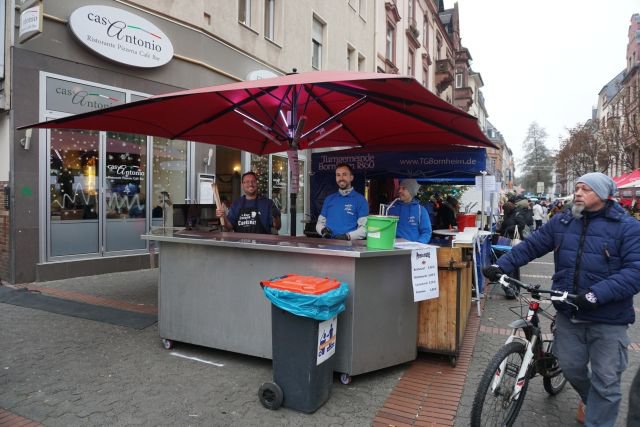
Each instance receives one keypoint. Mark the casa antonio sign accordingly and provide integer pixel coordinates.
(121, 36)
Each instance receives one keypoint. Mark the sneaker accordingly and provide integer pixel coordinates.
(580, 413)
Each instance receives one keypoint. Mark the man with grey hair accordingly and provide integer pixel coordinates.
(596, 249)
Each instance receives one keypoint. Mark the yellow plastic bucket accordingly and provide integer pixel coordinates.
(381, 231)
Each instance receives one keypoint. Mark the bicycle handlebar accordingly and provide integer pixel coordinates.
(535, 289)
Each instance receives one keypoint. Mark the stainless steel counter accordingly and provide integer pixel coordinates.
(209, 293)
(270, 242)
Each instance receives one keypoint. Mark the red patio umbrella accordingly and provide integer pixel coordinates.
(295, 111)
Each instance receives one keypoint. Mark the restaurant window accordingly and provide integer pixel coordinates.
(438, 47)
(317, 34)
(74, 201)
(169, 185)
(244, 12)
(269, 19)
(103, 188)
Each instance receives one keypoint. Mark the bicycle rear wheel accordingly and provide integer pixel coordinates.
(497, 407)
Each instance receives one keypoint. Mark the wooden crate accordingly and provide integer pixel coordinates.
(442, 321)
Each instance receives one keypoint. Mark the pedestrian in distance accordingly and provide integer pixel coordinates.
(447, 213)
(515, 217)
(413, 219)
(251, 213)
(596, 247)
(344, 213)
(538, 214)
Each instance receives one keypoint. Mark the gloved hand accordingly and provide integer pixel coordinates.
(586, 301)
(342, 237)
(493, 272)
(325, 232)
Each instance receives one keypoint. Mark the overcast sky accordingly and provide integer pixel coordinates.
(544, 60)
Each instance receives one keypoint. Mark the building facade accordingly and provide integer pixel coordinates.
(75, 202)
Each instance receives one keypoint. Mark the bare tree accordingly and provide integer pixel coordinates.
(538, 162)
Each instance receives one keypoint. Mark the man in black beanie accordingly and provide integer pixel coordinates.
(596, 249)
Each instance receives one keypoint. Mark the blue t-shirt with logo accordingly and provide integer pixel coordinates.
(343, 212)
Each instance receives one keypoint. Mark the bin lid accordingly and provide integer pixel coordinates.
(302, 284)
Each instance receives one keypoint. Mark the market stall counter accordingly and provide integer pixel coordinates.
(442, 321)
(209, 294)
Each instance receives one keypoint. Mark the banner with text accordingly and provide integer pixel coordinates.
(415, 164)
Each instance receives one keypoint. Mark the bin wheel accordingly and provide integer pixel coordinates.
(167, 344)
(345, 379)
(453, 361)
(270, 395)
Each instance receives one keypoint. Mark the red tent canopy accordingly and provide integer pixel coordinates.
(627, 178)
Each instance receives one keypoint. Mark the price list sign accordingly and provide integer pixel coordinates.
(424, 274)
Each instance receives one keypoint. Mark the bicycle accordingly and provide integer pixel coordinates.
(503, 386)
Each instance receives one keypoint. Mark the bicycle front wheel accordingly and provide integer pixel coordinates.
(493, 404)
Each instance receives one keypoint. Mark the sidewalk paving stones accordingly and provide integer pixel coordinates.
(62, 371)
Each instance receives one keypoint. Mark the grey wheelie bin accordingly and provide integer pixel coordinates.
(304, 317)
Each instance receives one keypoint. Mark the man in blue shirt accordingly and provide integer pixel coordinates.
(250, 213)
(344, 213)
(413, 223)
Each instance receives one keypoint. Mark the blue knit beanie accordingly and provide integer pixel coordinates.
(600, 183)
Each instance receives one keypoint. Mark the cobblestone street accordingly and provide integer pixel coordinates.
(539, 408)
(65, 371)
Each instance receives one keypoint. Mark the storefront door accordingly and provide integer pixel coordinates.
(125, 190)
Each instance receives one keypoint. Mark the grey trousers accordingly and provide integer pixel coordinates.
(633, 417)
(593, 357)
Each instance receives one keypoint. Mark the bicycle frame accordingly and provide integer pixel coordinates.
(531, 329)
(505, 381)
(530, 325)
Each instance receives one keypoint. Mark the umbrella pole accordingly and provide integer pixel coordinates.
(292, 214)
